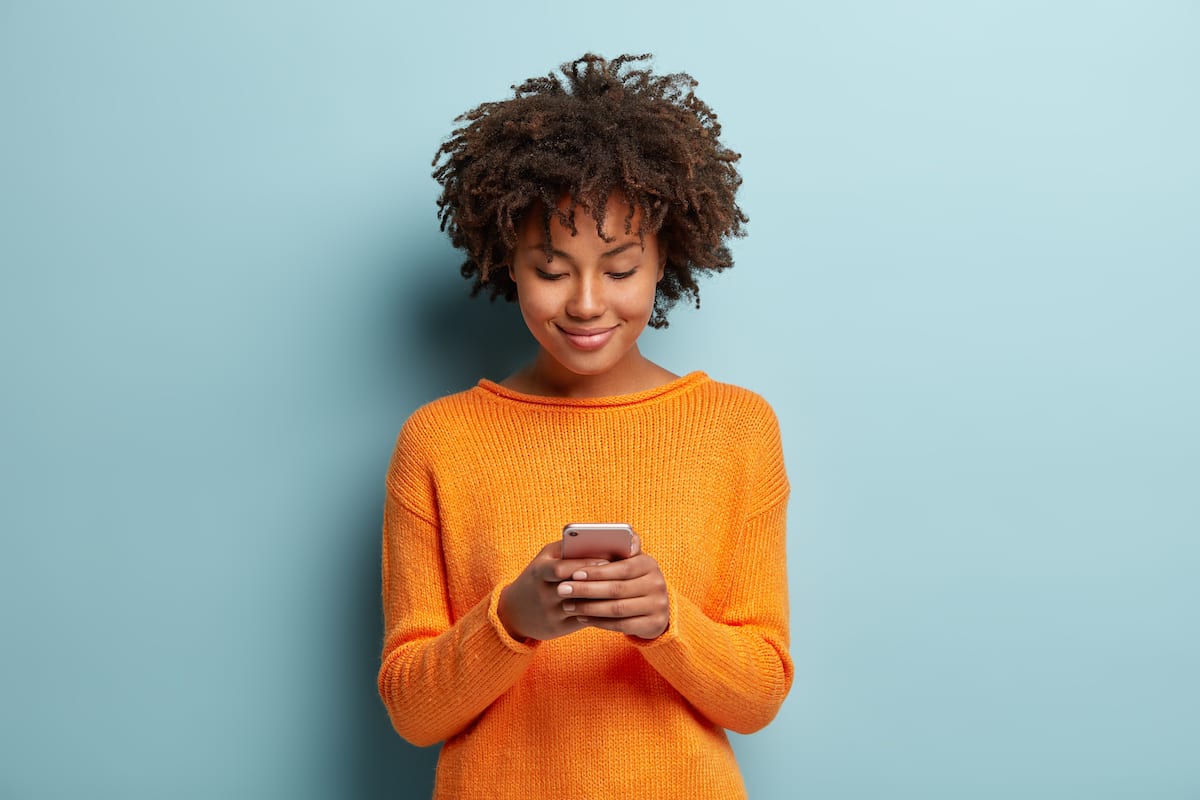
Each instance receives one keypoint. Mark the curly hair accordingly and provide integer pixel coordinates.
(602, 127)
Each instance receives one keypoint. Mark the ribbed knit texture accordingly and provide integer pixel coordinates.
(479, 482)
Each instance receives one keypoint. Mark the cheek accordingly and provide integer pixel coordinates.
(535, 301)
(638, 300)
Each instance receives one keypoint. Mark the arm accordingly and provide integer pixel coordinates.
(436, 675)
(728, 657)
(734, 666)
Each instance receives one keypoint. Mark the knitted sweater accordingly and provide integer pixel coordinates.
(479, 482)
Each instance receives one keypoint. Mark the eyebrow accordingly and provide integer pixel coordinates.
(616, 251)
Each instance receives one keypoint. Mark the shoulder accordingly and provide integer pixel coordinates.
(442, 410)
(443, 421)
(750, 426)
(737, 403)
(435, 434)
(451, 420)
(760, 443)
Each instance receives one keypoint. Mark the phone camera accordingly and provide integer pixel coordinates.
(572, 533)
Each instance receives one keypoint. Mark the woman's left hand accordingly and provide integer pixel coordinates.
(627, 596)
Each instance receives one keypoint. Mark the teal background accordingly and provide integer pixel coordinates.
(969, 290)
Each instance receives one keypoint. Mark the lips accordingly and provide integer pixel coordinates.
(587, 338)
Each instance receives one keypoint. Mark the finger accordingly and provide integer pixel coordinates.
(555, 571)
(548, 564)
(604, 590)
(574, 567)
(615, 625)
(573, 608)
(635, 546)
(611, 609)
(546, 570)
(624, 570)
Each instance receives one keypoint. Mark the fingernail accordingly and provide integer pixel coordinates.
(568, 607)
(565, 588)
(579, 576)
(597, 563)
(582, 619)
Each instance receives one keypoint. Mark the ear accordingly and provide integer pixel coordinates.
(662, 260)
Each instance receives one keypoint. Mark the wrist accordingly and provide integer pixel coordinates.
(504, 613)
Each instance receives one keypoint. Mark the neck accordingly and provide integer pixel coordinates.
(548, 378)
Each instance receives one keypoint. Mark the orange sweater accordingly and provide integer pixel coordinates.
(479, 482)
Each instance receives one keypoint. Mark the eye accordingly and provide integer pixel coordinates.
(620, 276)
(550, 276)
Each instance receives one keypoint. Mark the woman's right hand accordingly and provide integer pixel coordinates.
(530, 606)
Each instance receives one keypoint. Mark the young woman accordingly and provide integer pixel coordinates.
(594, 200)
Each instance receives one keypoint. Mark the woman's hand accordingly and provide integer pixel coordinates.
(530, 607)
(627, 596)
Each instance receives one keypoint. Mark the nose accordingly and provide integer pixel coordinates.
(587, 297)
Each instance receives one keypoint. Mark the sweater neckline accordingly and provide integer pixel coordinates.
(681, 384)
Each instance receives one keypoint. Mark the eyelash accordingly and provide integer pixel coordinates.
(616, 276)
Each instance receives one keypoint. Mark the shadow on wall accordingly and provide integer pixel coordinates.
(441, 341)
(381, 764)
(462, 338)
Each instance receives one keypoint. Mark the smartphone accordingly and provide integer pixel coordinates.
(611, 541)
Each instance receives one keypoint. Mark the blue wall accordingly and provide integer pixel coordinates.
(970, 290)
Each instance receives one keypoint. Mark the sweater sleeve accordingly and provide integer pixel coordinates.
(735, 669)
(731, 661)
(437, 674)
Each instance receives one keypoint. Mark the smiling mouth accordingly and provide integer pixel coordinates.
(587, 339)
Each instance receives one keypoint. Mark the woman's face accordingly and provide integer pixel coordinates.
(588, 304)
